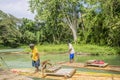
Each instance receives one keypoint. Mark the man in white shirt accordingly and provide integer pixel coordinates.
(71, 52)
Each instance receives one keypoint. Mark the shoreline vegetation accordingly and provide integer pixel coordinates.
(80, 49)
(83, 49)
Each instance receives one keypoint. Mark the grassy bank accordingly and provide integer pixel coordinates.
(79, 48)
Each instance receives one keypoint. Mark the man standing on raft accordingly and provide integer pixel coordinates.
(71, 52)
(35, 57)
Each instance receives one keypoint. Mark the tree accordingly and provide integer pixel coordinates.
(8, 29)
(64, 10)
(102, 21)
(92, 22)
(28, 29)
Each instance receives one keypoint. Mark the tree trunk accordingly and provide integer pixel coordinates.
(73, 26)
(74, 35)
(74, 32)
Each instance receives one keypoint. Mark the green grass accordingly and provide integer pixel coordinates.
(83, 48)
(80, 48)
(49, 48)
(94, 49)
(4, 47)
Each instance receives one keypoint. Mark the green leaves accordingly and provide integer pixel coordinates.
(9, 33)
(88, 21)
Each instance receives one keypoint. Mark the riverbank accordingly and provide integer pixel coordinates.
(79, 48)
(63, 48)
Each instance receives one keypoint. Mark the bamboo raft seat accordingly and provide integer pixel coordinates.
(56, 70)
(53, 68)
(48, 67)
(96, 63)
(63, 72)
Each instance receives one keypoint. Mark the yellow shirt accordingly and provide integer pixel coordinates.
(35, 55)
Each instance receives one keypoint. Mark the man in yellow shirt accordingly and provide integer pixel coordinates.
(35, 57)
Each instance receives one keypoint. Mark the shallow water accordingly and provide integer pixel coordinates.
(96, 71)
(11, 50)
(24, 60)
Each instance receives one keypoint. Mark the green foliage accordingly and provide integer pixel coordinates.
(62, 13)
(99, 19)
(91, 21)
(9, 34)
(79, 48)
(29, 31)
(28, 37)
(57, 21)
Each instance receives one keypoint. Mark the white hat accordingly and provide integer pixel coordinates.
(31, 45)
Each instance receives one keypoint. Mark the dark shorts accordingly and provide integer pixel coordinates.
(36, 63)
(71, 56)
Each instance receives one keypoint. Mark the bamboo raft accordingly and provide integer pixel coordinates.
(59, 73)
(83, 65)
(77, 76)
(53, 70)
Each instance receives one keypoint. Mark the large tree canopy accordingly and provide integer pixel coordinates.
(57, 21)
(58, 12)
(89, 21)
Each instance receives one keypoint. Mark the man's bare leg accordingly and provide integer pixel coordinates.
(37, 69)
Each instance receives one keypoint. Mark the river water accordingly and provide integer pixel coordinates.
(20, 60)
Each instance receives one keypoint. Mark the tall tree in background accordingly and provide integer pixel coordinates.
(64, 10)
(70, 11)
